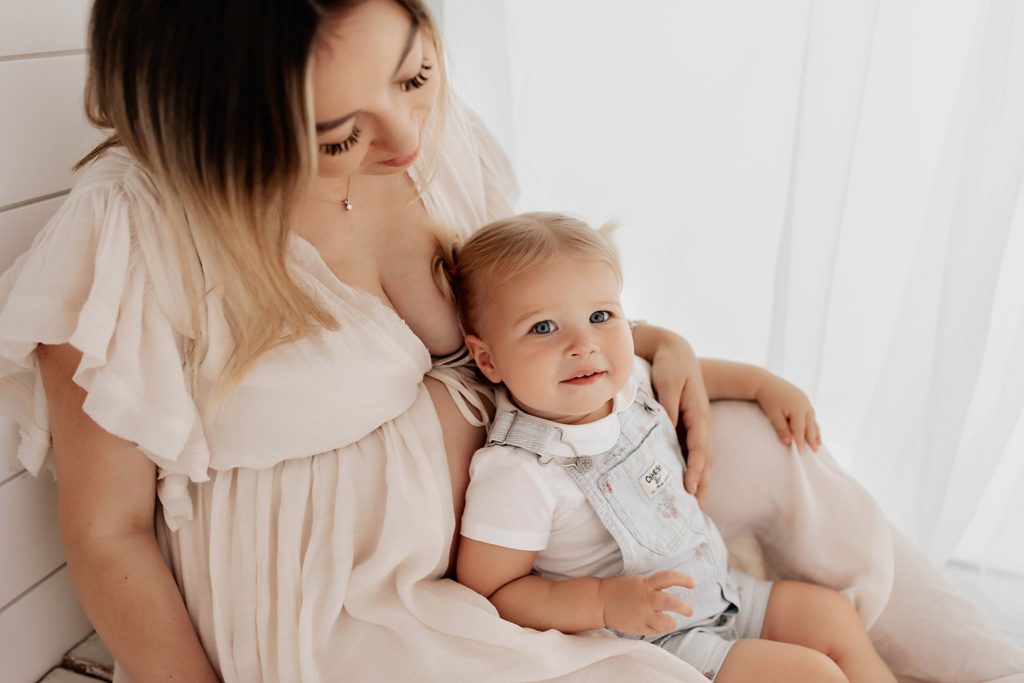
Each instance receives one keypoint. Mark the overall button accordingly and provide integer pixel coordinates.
(584, 463)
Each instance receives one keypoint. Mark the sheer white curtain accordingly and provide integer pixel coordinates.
(828, 187)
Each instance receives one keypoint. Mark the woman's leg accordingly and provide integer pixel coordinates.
(812, 520)
(766, 661)
(958, 641)
(815, 523)
(823, 620)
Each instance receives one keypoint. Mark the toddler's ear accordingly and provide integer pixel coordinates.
(482, 355)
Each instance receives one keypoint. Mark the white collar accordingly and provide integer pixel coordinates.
(591, 437)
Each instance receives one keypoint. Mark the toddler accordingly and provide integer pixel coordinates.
(576, 517)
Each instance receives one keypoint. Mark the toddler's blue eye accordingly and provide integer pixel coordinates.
(600, 316)
(543, 327)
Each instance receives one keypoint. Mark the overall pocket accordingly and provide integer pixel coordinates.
(646, 493)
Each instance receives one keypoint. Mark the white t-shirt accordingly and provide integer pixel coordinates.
(516, 502)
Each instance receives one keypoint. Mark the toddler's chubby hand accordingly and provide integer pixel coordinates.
(637, 604)
(790, 412)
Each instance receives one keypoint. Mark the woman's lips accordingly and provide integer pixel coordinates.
(589, 379)
(398, 162)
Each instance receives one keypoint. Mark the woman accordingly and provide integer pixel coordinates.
(228, 323)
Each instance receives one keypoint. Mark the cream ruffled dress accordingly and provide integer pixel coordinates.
(308, 527)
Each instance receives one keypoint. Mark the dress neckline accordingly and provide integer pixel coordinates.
(309, 256)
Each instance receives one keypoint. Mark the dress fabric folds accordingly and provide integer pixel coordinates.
(307, 522)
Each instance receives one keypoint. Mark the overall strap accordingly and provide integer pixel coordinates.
(516, 428)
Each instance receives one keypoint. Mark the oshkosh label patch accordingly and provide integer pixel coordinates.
(653, 479)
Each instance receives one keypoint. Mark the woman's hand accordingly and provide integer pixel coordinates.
(679, 385)
(789, 411)
(637, 604)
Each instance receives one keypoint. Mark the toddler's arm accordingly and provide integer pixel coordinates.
(631, 604)
(785, 405)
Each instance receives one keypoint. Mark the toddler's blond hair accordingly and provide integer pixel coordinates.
(509, 247)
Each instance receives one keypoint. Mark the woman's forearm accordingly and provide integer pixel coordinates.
(134, 604)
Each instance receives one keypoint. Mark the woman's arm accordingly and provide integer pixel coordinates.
(631, 604)
(106, 500)
(679, 385)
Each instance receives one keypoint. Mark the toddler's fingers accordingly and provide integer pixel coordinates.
(815, 432)
(670, 602)
(666, 578)
(781, 426)
(659, 623)
(798, 424)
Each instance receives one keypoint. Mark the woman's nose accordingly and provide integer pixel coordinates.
(398, 133)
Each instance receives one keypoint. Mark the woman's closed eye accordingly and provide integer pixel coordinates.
(543, 327)
(408, 85)
(345, 145)
(417, 81)
(600, 316)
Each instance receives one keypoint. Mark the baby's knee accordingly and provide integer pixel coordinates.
(818, 667)
(837, 606)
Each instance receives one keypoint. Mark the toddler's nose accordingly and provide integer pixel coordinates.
(582, 345)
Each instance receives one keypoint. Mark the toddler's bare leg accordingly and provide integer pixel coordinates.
(766, 661)
(821, 619)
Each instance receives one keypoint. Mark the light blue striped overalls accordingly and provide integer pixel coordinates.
(636, 489)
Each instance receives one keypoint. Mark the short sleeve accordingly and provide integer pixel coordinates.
(507, 502)
(84, 282)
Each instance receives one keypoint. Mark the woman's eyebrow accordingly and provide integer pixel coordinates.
(334, 123)
(413, 28)
(409, 39)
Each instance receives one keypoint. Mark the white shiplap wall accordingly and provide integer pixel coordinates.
(43, 131)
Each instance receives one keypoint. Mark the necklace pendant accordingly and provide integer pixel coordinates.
(346, 204)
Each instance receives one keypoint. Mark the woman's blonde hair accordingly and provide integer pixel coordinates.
(507, 248)
(214, 99)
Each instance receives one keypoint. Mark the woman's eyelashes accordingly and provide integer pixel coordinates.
(419, 80)
(343, 146)
(414, 83)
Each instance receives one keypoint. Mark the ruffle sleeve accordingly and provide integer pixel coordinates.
(84, 282)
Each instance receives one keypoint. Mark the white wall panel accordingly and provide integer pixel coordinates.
(39, 628)
(32, 26)
(43, 130)
(8, 447)
(29, 534)
(19, 226)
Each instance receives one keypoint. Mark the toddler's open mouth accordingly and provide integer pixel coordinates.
(585, 377)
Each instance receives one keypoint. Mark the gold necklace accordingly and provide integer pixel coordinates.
(345, 203)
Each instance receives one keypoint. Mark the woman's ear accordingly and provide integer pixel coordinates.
(482, 355)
